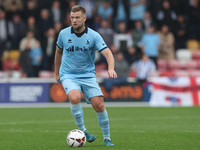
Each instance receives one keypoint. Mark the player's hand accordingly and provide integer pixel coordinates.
(112, 74)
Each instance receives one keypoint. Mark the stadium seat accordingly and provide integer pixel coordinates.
(46, 74)
(175, 65)
(14, 55)
(183, 55)
(162, 64)
(166, 73)
(190, 65)
(181, 73)
(14, 65)
(5, 56)
(194, 73)
(198, 63)
(196, 55)
(192, 45)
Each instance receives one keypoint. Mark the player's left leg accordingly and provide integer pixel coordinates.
(102, 115)
(93, 95)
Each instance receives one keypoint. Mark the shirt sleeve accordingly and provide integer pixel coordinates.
(59, 42)
(100, 45)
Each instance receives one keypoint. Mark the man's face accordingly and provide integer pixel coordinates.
(78, 20)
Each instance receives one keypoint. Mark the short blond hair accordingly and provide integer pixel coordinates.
(78, 8)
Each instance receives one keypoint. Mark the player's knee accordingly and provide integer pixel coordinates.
(100, 107)
(75, 99)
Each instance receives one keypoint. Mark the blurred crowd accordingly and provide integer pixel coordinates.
(138, 32)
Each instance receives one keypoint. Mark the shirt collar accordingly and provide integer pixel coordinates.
(85, 31)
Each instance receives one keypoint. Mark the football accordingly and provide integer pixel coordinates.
(76, 138)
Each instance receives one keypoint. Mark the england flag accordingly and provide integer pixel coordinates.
(181, 91)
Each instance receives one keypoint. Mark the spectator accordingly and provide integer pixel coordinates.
(96, 24)
(31, 9)
(29, 38)
(66, 21)
(153, 7)
(122, 68)
(31, 26)
(122, 39)
(1, 3)
(132, 55)
(143, 68)
(6, 32)
(49, 46)
(18, 26)
(137, 34)
(181, 32)
(8, 4)
(90, 13)
(71, 4)
(137, 10)
(26, 62)
(150, 44)
(106, 32)
(114, 49)
(45, 22)
(166, 15)
(147, 21)
(121, 65)
(180, 6)
(65, 5)
(120, 12)
(105, 10)
(194, 20)
(57, 27)
(166, 50)
(14, 9)
(56, 11)
(36, 56)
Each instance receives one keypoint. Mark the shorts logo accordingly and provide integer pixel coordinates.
(69, 41)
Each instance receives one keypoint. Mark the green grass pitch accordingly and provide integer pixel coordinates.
(132, 128)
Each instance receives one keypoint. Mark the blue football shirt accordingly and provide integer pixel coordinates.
(79, 52)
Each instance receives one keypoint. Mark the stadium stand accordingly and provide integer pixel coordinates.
(187, 57)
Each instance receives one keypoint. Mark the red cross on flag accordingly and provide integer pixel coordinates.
(181, 91)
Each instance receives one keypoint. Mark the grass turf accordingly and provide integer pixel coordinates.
(132, 128)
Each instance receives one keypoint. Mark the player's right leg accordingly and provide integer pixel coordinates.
(76, 109)
(73, 91)
(77, 112)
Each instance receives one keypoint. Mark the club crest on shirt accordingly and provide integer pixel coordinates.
(87, 41)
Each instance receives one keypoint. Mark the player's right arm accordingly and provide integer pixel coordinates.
(57, 62)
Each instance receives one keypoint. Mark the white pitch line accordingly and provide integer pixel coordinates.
(67, 104)
(54, 121)
(36, 122)
(62, 131)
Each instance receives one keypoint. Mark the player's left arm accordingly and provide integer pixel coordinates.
(110, 60)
